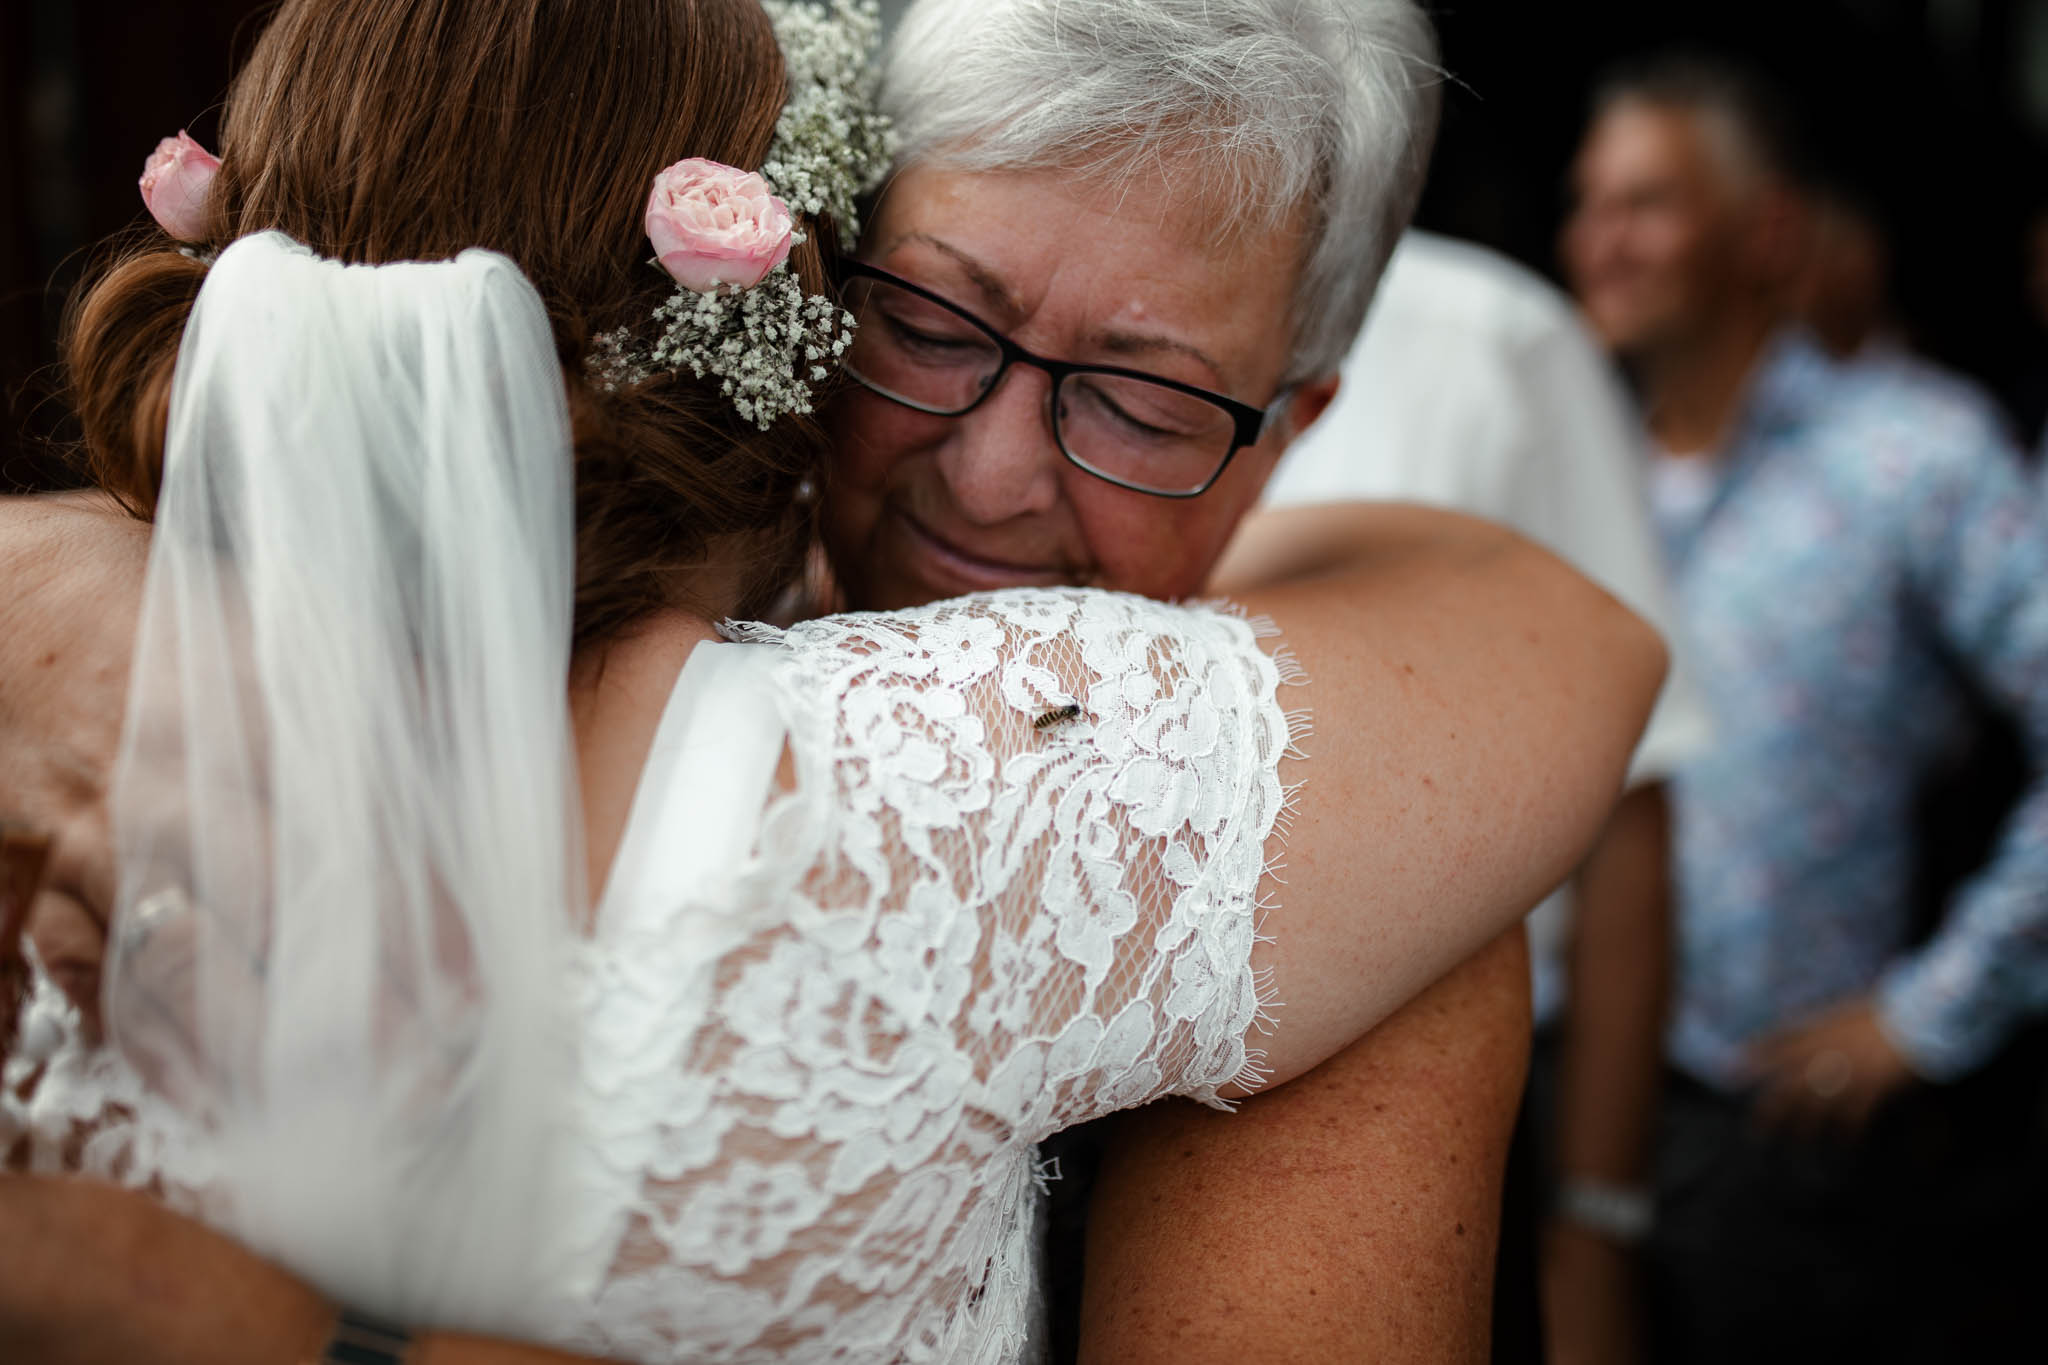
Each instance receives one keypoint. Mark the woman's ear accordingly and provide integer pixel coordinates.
(1311, 399)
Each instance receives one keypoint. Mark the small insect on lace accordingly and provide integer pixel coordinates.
(1057, 716)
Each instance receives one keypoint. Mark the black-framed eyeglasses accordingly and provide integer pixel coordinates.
(1138, 431)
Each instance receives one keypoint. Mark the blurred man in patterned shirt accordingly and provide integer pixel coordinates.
(1850, 556)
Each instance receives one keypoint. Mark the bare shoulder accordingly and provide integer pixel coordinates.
(1351, 1214)
(68, 541)
(1475, 704)
(618, 691)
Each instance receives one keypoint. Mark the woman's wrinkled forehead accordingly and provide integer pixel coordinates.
(1193, 182)
(1126, 265)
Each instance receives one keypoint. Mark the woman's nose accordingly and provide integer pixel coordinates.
(1002, 460)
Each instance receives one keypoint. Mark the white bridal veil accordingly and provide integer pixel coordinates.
(344, 806)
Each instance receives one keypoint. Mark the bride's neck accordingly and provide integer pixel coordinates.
(617, 693)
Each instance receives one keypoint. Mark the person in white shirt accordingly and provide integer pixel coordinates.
(1474, 386)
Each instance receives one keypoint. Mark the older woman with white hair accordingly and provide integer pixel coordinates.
(1187, 203)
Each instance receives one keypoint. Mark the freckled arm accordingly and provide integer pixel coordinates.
(1351, 1214)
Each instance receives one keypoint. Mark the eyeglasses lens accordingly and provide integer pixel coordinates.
(1131, 431)
(916, 351)
(1140, 433)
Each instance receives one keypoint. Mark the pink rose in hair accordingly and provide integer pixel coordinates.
(714, 224)
(174, 184)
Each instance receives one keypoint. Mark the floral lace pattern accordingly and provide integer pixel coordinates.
(986, 931)
(812, 1090)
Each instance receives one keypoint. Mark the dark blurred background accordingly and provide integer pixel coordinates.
(1934, 111)
(86, 90)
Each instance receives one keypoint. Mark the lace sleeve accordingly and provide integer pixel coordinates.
(818, 1075)
(1052, 813)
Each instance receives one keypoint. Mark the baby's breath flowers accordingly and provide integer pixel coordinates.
(831, 143)
(768, 344)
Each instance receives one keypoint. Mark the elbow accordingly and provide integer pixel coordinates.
(1627, 668)
(1618, 659)
(1643, 654)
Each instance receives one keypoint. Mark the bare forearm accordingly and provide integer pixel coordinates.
(1351, 1214)
(1620, 973)
(92, 1275)
(1609, 1065)
(455, 1348)
(95, 1274)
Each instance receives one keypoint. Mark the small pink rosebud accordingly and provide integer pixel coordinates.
(713, 224)
(174, 184)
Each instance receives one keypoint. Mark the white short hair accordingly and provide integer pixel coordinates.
(1311, 112)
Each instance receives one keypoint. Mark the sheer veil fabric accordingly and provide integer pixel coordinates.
(344, 806)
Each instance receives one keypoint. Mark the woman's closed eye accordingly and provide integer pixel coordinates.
(933, 342)
(1090, 399)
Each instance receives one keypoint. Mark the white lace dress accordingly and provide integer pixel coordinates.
(814, 1077)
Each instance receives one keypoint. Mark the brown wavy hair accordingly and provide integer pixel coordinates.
(389, 130)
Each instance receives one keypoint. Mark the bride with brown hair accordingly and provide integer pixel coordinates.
(497, 942)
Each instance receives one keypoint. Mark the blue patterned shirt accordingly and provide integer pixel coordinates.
(1863, 542)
